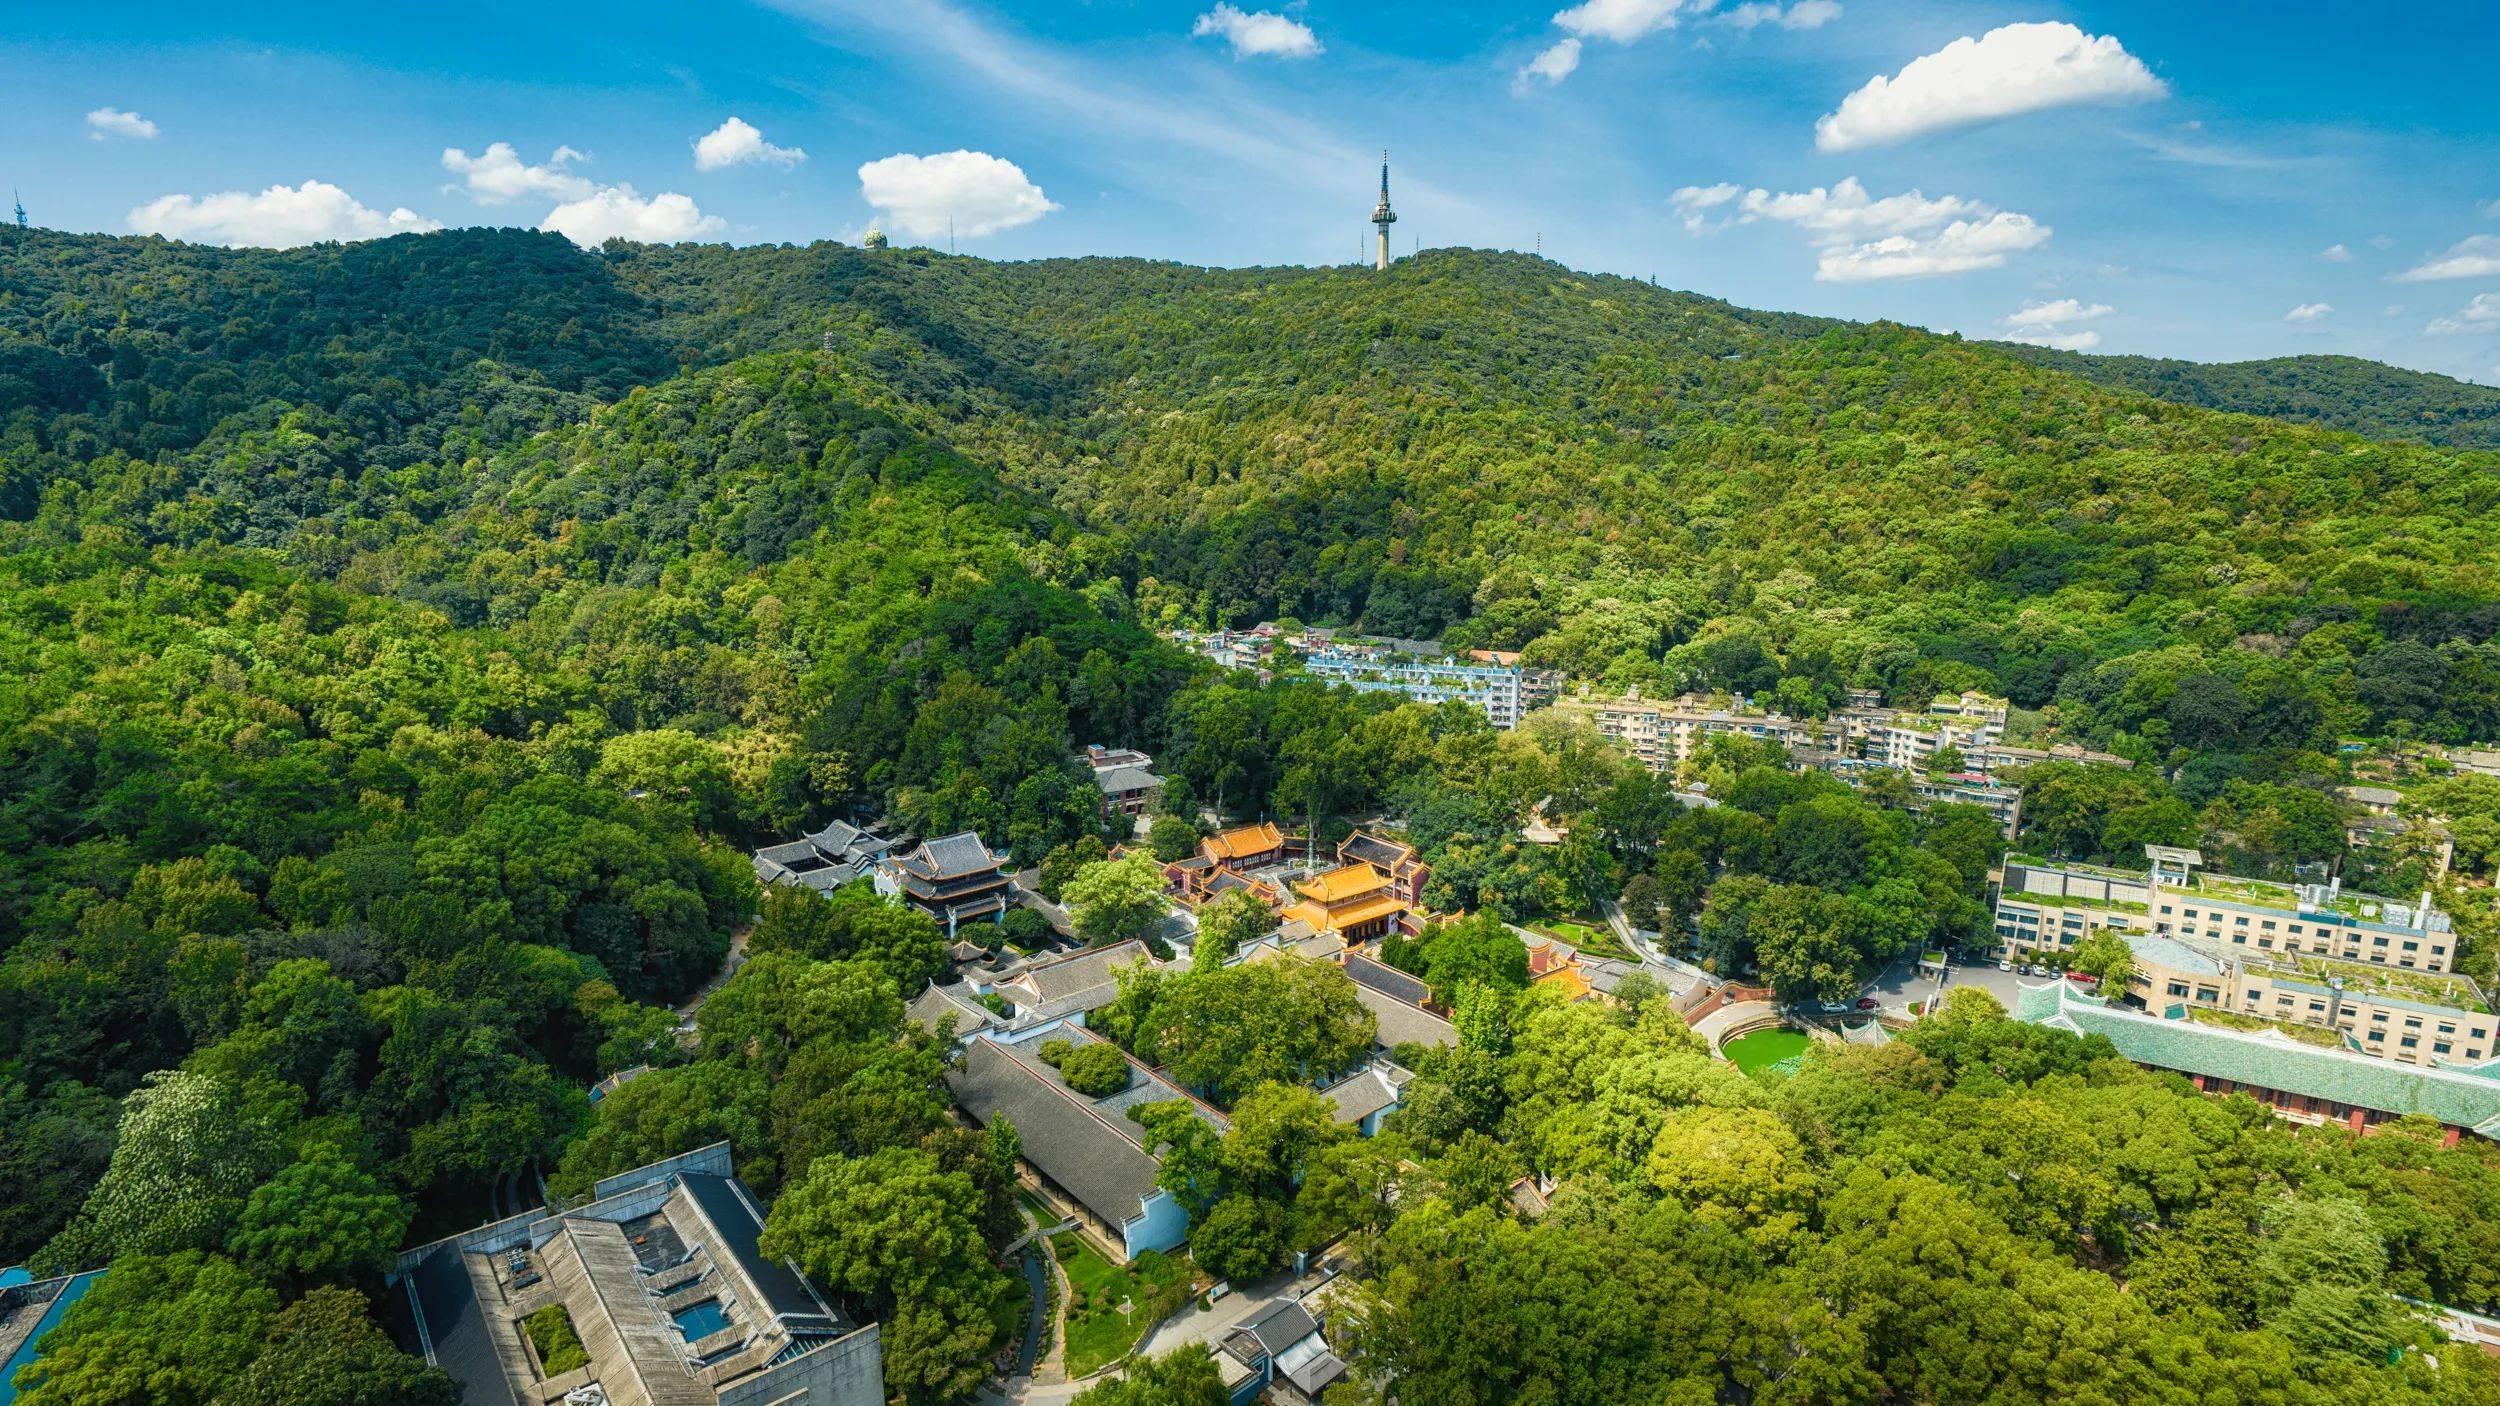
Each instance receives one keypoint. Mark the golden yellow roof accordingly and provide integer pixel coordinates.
(1248, 839)
(1338, 918)
(1338, 885)
(1569, 979)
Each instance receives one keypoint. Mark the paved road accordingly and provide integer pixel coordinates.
(1900, 983)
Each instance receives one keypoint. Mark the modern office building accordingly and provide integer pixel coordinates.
(2369, 973)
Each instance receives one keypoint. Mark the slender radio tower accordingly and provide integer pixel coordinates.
(19, 205)
(1382, 215)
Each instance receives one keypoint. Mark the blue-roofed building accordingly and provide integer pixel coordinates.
(665, 1281)
(30, 1309)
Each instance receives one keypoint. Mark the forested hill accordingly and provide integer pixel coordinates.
(403, 644)
(2342, 392)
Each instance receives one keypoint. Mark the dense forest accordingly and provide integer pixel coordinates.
(402, 643)
(2344, 392)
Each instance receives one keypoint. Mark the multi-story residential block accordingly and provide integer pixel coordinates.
(1666, 733)
(2373, 971)
(1501, 690)
(1906, 738)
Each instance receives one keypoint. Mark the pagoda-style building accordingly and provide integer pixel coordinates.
(1354, 901)
(955, 880)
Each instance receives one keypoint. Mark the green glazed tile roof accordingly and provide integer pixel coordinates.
(2271, 1061)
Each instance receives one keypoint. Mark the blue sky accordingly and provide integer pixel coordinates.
(2209, 180)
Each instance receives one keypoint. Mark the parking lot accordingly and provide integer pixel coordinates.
(1900, 983)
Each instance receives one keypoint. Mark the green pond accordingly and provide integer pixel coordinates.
(1764, 1048)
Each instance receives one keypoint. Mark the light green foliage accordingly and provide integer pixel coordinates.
(1116, 899)
(1185, 1376)
(185, 1160)
(1230, 1030)
(326, 1350)
(852, 923)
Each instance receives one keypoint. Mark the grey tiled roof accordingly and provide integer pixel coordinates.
(1121, 780)
(1403, 1024)
(1361, 1095)
(956, 999)
(1387, 980)
(951, 855)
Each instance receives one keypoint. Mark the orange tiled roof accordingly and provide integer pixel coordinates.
(1248, 839)
(1327, 918)
(1339, 885)
(1569, 979)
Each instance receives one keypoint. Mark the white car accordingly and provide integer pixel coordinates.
(2005, 966)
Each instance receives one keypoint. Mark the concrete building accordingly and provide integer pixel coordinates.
(1125, 777)
(2049, 907)
(1503, 691)
(954, 879)
(1665, 734)
(2302, 1082)
(662, 1279)
(30, 1309)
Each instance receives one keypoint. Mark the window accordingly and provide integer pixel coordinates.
(2439, 1047)
(2178, 988)
(2410, 1041)
(2241, 920)
(2378, 1034)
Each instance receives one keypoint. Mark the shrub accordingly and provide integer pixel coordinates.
(560, 1349)
(1055, 1053)
(1096, 1071)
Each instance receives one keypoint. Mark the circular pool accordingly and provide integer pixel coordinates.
(1763, 1048)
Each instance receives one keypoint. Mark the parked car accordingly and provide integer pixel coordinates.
(1868, 1003)
(2004, 966)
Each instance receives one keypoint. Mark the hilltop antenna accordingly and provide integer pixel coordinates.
(950, 233)
(1540, 244)
(20, 206)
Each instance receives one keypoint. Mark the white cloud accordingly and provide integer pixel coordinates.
(2013, 69)
(2480, 315)
(2050, 324)
(2084, 340)
(1699, 204)
(616, 212)
(2475, 256)
(2308, 312)
(736, 142)
(113, 122)
(277, 218)
(2335, 254)
(1805, 14)
(498, 174)
(972, 192)
(1258, 33)
(2032, 316)
(1552, 64)
(1859, 237)
(1623, 20)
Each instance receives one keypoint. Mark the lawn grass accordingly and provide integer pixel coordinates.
(1592, 939)
(1098, 1333)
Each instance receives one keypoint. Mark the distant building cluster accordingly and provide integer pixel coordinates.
(1417, 670)
(1862, 737)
